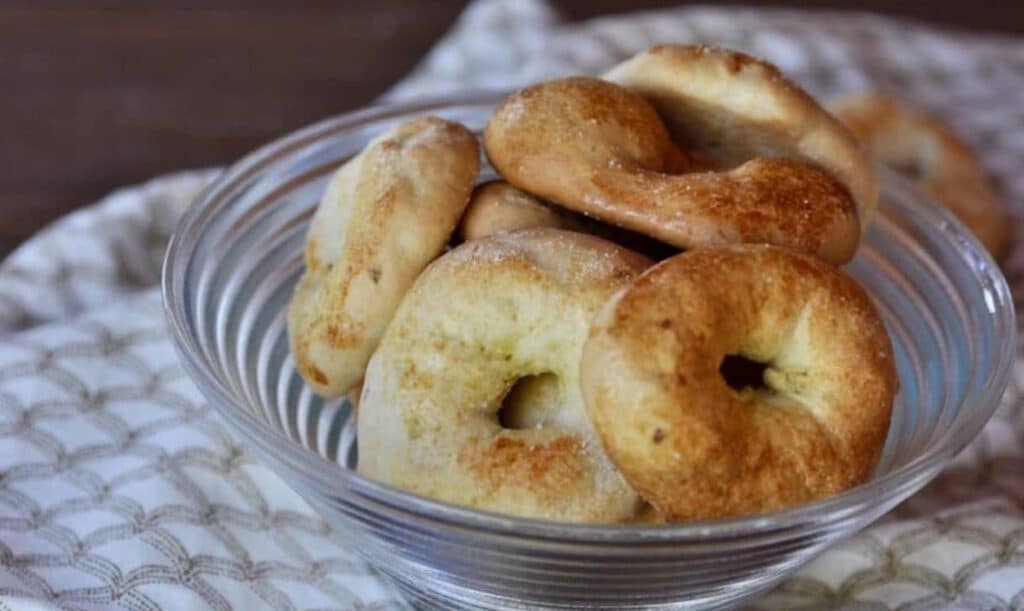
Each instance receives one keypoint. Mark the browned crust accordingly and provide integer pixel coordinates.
(483, 315)
(928, 151)
(499, 207)
(496, 207)
(552, 467)
(597, 148)
(731, 107)
(694, 447)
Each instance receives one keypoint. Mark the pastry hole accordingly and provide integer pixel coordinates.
(910, 168)
(528, 402)
(741, 373)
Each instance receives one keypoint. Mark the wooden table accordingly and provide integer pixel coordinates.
(99, 94)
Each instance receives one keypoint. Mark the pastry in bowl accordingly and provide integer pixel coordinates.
(483, 388)
(481, 318)
(233, 265)
(928, 152)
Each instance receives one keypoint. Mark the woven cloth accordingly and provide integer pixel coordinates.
(120, 489)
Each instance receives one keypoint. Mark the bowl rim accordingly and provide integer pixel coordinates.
(343, 482)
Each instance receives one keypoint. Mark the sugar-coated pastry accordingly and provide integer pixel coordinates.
(597, 148)
(927, 151)
(696, 447)
(386, 214)
(729, 108)
(480, 319)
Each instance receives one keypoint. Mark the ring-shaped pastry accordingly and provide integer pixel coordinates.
(499, 316)
(696, 447)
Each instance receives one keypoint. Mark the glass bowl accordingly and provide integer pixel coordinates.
(229, 274)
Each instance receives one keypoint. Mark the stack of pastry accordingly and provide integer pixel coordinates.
(643, 319)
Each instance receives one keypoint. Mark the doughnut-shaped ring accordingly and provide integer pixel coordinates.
(928, 152)
(694, 446)
(385, 215)
(597, 148)
(480, 320)
(728, 108)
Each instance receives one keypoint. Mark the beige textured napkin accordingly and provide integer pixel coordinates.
(119, 489)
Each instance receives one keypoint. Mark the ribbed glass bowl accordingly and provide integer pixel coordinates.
(229, 274)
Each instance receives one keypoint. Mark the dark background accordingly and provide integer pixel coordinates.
(96, 95)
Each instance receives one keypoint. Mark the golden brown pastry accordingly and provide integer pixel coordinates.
(497, 207)
(928, 152)
(694, 446)
(730, 108)
(600, 149)
(537, 369)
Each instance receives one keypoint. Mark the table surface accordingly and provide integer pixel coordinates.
(99, 94)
